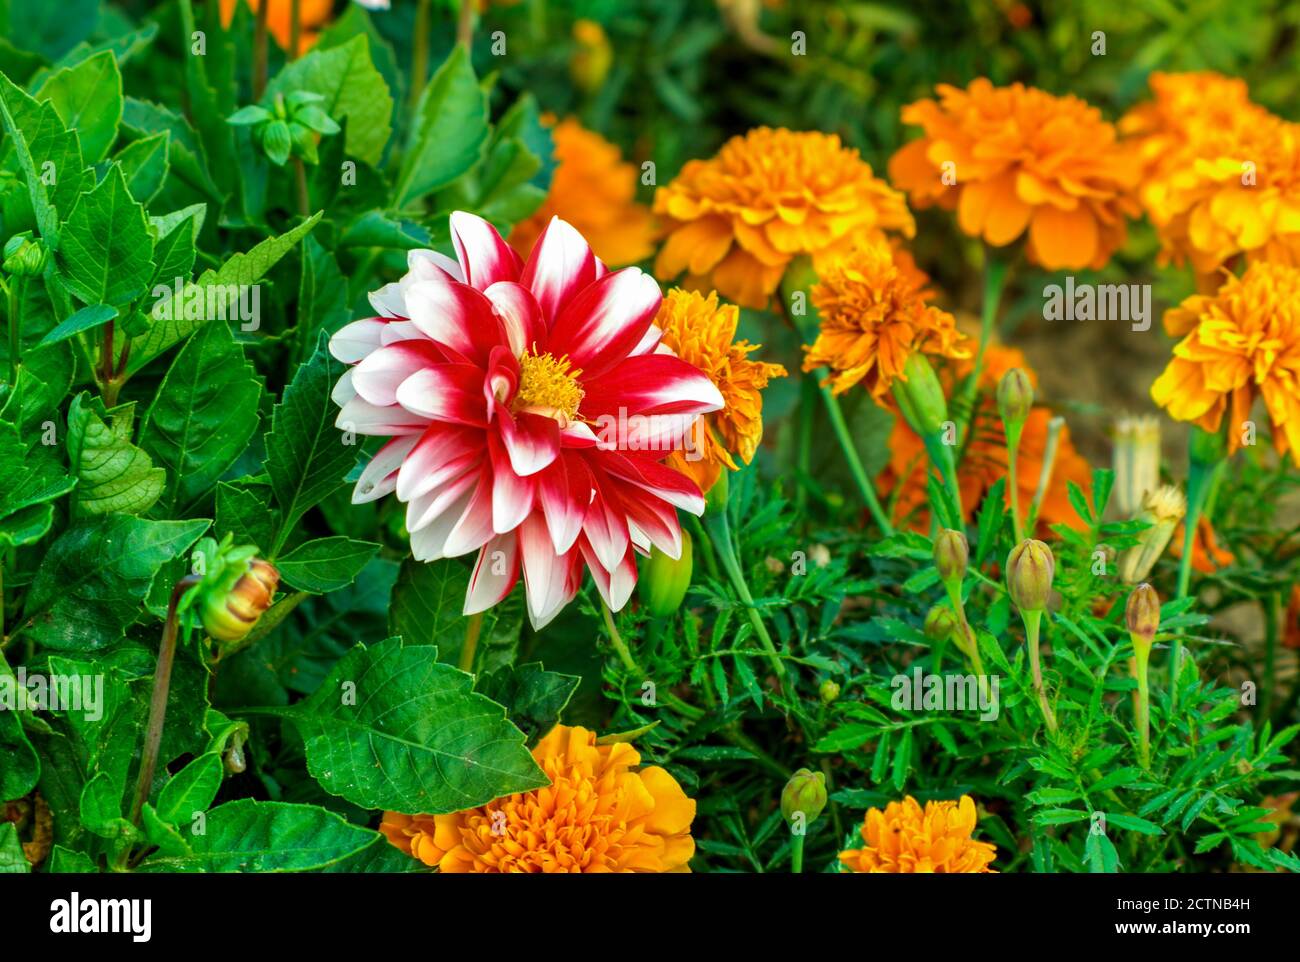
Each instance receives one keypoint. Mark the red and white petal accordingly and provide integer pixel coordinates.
(615, 585)
(361, 417)
(578, 434)
(532, 441)
(520, 316)
(426, 508)
(342, 392)
(401, 331)
(658, 479)
(389, 300)
(427, 542)
(549, 581)
(651, 384)
(564, 492)
(560, 266)
(455, 316)
(656, 521)
(484, 256)
(605, 525)
(512, 495)
(442, 452)
(379, 477)
(352, 342)
(446, 392)
(495, 573)
(378, 376)
(474, 528)
(501, 383)
(603, 324)
(423, 264)
(650, 341)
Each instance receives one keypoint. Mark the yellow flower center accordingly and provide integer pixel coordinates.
(549, 386)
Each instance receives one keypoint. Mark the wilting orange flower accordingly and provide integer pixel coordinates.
(599, 814)
(702, 332)
(737, 220)
(908, 839)
(984, 459)
(1221, 175)
(1015, 158)
(874, 316)
(1207, 556)
(595, 191)
(1238, 344)
(279, 19)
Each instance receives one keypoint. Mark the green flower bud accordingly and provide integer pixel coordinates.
(1030, 570)
(230, 616)
(24, 255)
(804, 793)
(940, 623)
(715, 499)
(1163, 509)
(1142, 613)
(277, 142)
(951, 553)
(664, 580)
(829, 691)
(304, 143)
(1015, 397)
(920, 396)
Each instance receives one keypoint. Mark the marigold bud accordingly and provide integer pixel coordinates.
(940, 623)
(1015, 397)
(951, 553)
(665, 580)
(829, 691)
(920, 396)
(805, 792)
(1030, 570)
(1143, 616)
(229, 615)
(24, 256)
(1163, 508)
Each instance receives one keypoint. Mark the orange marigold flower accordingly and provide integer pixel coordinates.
(906, 838)
(593, 189)
(736, 220)
(279, 19)
(702, 332)
(1221, 175)
(984, 459)
(1011, 158)
(1238, 344)
(599, 814)
(874, 316)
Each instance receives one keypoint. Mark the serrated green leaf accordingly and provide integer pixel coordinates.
(190, 790)
(105, 251)
(532, 697)
(425, 609)
(449, 131)
(113, 475)
(325, 564)
(88, 98)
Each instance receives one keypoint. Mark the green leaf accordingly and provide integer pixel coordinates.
(144, 163)
(241, 270)
(88, 98)
(532, 697)
(113, 475)
(322, 297)
(65, 861)
(30, 477)
(1133, 823)
(92, 581)
(449, 131)
(392, 728)
(12, 860)
(105, 249)
(86, 319)
(21, 767)
(425, 609)
(244, 510)
(351, 89)
(101, 807)
(325, 564)
(43, 145)
(202, 417)
(190, 790)
(306, 455)
(253, 836)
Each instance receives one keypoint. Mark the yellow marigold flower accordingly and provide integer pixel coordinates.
(906, 838)
(736, 220)
(1016, 158)
(599, 814)
(593, 189)
(702, 332)
(312, 14)
(874, 316)
(1238, 344)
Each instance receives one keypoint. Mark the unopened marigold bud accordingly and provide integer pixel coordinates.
(1142, 613)
(665, 580)
(230, 615)
(1030, 570)
(1015, 397)
(940, 623)
(1163, 509)
(951, 553)
(804, 793)
(829, 691)
(24, 255)
(920, 396)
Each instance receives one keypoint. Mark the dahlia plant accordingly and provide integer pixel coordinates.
(488, 437)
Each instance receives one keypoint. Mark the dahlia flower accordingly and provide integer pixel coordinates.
(601, 813)
(528, 405)
(702, 332)
(737, 220)
(1011, 159)
(906, 838)
(985, 457)
(1238, 344)
(595, 191)
(874, 316)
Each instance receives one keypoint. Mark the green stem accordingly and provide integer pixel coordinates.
(419, 53)
(807, 422)
(796, 854)
(295, 28)
(1033, 621)
(465, 24)
(841, 428)
(473, 628)
(1199, 478)
(260, 49)
(718, 527)
(620, 646)
(1054, 428)
(1013, 455)
(1143, 713)
(15, 328)
(1272, 602)
(995, 275)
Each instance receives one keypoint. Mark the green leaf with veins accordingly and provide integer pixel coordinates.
(105, 251)
(325, 564)
(113, 475)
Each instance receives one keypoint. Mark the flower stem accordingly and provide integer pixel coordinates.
(1033, 620)
(259, 49)
(796, 855)
(473, 628)
(295, 28)
(1013, 455)
(465, 24)
(616, 639)
(841, 428)
(1054, 428)
(718, 527)
(1199, 477)
(995, 276)
(1143, 714)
